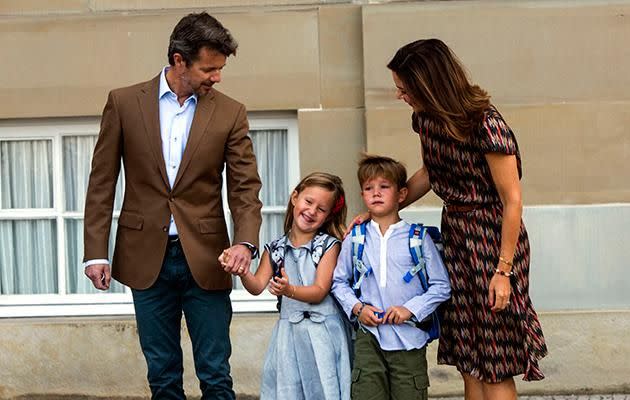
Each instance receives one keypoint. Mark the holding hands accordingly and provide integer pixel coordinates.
(236, 260)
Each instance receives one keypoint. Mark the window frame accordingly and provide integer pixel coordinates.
(107, 304)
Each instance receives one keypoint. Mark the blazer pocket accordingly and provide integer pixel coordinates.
(212, 225)
(131, 221)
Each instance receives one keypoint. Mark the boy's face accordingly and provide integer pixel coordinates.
(382, 197)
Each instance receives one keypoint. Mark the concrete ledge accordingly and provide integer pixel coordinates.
(100, 358)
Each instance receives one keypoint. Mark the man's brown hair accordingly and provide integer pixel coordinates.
(371, 166)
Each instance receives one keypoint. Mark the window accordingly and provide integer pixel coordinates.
(44, 170)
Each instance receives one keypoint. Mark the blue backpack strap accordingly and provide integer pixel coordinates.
(416, 236)
(417, 233)
(436, 236)
(360, 270)
(276, 251)
(319, 244)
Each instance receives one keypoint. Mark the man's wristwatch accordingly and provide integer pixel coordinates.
(251, 248)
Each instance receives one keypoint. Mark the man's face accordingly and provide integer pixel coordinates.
(202, 73)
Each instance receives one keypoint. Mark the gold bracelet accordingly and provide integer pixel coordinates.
(293, 294)
(506, 262)
(504, 273)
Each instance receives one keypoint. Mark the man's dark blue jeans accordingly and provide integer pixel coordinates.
(208, 315)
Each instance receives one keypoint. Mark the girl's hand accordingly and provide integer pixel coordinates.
(279, 286)
(369, 315)
(499, 292)
(358, 220)
(397, 315)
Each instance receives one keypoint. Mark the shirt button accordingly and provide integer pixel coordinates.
(165, 228)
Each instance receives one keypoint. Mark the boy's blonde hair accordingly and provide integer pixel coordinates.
(371, 166)
(335, 222)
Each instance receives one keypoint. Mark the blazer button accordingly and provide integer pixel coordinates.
(165, 228)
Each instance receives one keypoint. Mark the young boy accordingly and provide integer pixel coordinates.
(389, 352)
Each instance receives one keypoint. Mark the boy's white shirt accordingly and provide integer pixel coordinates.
(375, 288)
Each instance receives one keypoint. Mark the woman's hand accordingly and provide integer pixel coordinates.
(280, 286)
(499, 292)
(358, 220)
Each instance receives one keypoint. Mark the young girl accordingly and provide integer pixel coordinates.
(308, 356)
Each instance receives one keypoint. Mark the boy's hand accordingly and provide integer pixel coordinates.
(397, 315)
(369, 315)
(279, 286)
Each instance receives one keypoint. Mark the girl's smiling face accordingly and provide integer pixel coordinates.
(311, 207)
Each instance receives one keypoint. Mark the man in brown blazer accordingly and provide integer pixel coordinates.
(174, 134)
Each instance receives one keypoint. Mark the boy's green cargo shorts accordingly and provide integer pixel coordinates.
(383, 375)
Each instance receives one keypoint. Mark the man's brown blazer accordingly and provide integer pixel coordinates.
(130, 131)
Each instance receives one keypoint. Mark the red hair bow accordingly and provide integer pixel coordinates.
(338, 205)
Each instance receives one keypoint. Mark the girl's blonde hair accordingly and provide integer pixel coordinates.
(334, 224)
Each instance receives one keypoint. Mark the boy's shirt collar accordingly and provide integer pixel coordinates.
(389, 230)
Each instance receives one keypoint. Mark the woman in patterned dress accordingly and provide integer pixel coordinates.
(471, 161)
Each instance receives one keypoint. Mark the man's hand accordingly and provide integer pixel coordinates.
(397, 315)
(100, 275)
(236, 259)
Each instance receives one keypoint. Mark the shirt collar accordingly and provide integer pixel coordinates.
(391, 228)
(165, 88)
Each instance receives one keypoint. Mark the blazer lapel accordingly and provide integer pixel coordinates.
(203, 114)
(149, 109)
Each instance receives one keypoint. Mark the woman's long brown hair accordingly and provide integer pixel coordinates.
(435, 79)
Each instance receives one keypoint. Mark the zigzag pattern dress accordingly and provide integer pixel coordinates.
(489, 346)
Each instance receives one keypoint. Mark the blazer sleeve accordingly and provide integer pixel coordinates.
(99, 202)
(243, 182)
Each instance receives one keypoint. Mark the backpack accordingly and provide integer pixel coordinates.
(277, 251)
(417, 233)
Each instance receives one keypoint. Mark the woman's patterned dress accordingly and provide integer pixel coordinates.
(489, 346)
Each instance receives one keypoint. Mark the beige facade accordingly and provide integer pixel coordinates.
(556, 70)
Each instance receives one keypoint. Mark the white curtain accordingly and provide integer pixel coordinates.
(29, 246)
(28, 250)
(77, 159)
(270, 147)
(26, 174)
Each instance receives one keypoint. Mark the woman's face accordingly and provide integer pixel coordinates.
(401, 93)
